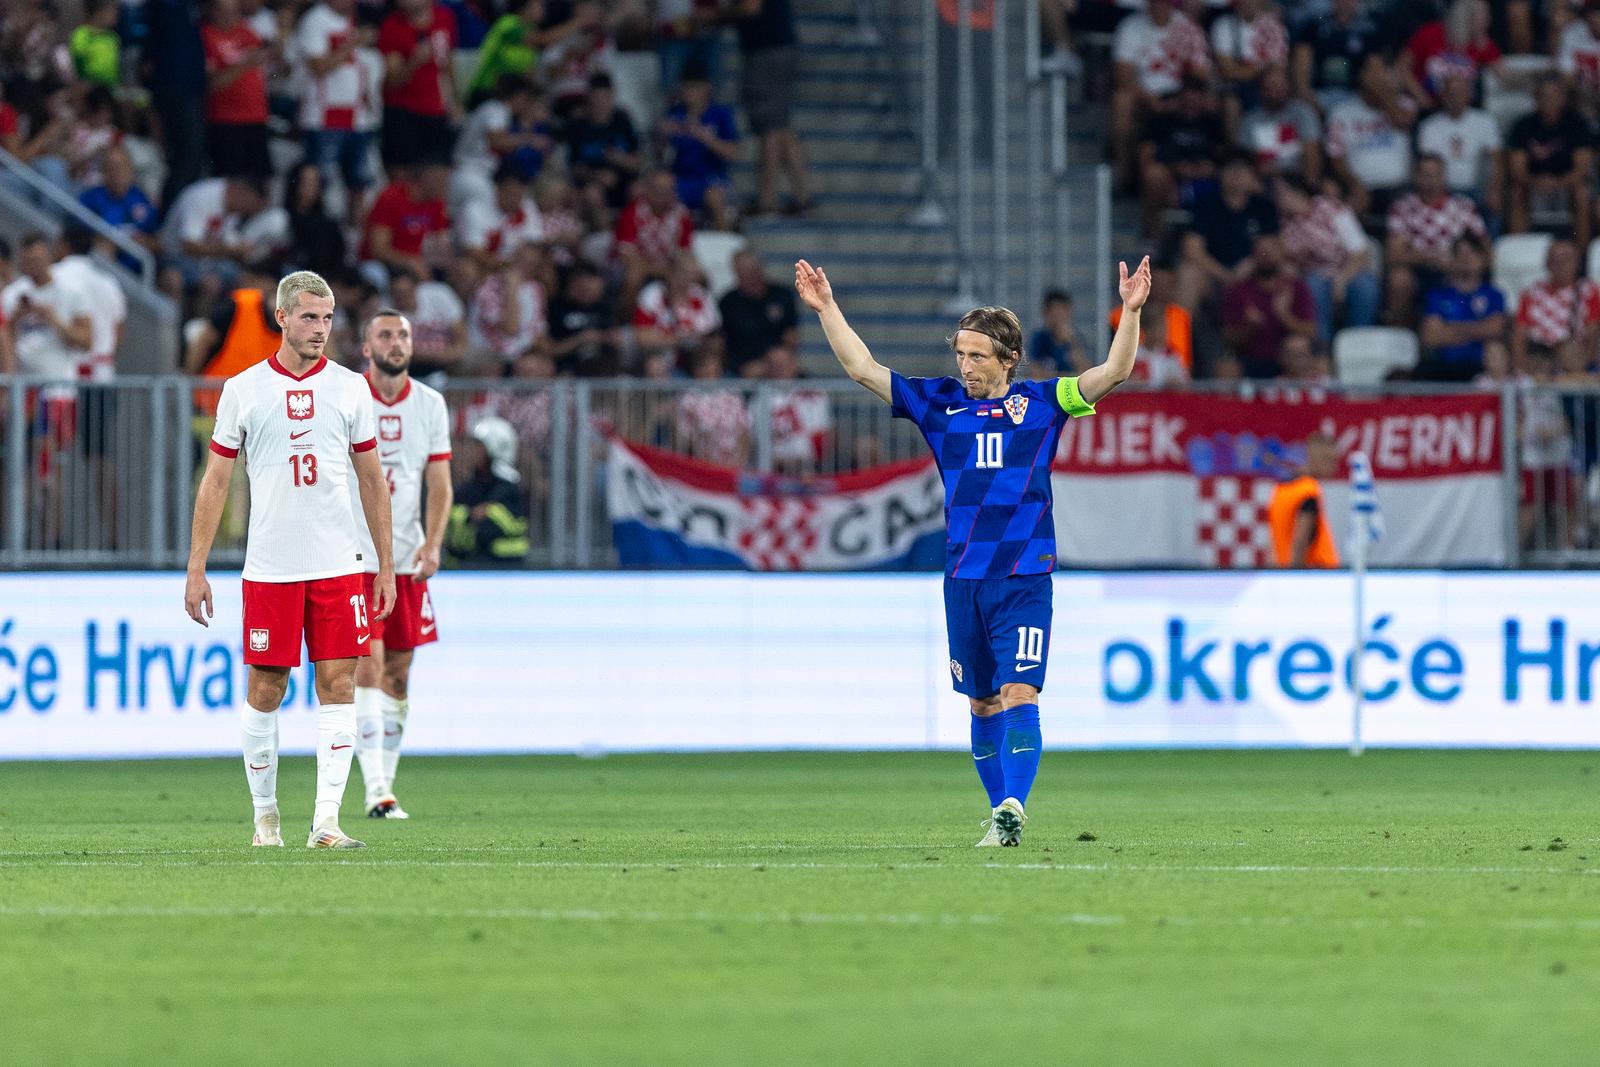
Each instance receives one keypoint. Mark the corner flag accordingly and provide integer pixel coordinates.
(1366, 527)
(1367, 515)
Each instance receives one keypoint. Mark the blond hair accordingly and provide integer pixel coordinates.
(301, 281)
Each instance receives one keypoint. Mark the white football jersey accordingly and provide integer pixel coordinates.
(297, 435)
(413, 432)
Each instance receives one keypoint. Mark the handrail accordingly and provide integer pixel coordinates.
(61, 199)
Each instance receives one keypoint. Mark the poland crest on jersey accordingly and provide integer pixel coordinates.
(300, 404)
(388, 427)
(1017, 408)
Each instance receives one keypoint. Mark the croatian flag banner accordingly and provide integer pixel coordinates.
(1184, 479)
(671, 512)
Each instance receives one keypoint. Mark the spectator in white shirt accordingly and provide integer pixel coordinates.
(438, 321)
(210, 232)
(1468, 140)
(336, 96)
(48, 320)
(1282, 133)
(1153, 51)
(492, 232)
(1245, 42)
(1369, 138)
(1578, 55)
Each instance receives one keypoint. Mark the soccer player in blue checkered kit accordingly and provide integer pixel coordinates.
(994, 438)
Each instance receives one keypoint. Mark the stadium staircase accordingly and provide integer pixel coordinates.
(894, 275)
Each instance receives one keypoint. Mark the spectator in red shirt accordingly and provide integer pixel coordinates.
(1557, 313)
(409, 225)
(651, 230)
(1423, 228)
(236, 92)
(1262, 309)
(676, 319)
(1457, 43)
(418, 42)
(10, 131)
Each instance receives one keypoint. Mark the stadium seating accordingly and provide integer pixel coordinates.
(1519, 262)
(1366, 355)
(1508, 90)
(714, 252)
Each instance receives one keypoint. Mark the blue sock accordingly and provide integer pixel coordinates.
(987, 732)
(1019, 750)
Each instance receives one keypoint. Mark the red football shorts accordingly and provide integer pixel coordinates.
(330, 614)
(411, 622)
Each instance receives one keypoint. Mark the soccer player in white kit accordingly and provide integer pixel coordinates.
(414, 449)
(306, 428)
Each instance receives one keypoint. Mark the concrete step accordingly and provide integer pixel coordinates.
(850, 274)
(829, 87)
(827, 29)
(819, 361)
(833, 179)
(813, 238)
(888, 147)
(859, 118)
(925, 331)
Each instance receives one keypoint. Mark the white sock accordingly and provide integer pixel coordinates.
(336, 741)
(369, 742)
(258, 736)
(394, 728)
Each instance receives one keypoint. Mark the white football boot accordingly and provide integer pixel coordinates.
(332, 837)
(1008, 820)
(992, 838)
(268, 832)
(386, 808)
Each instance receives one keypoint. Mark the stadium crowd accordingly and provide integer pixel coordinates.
(497, 168)
(511, 176)
(1310, 167)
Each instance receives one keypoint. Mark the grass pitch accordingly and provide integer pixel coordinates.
(1231, 908)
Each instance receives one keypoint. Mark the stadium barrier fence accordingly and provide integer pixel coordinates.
(103, 475)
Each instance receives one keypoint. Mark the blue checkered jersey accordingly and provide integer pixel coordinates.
(994, 457)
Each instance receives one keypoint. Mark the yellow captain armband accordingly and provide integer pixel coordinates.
(1070, 399)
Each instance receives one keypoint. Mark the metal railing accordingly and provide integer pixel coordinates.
(103, 475)
(1007, 198)
(31, 203)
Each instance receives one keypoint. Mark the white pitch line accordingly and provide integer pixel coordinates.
(254, 859)
(775, 918)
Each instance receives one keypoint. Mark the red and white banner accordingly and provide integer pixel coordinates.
(1184, 478)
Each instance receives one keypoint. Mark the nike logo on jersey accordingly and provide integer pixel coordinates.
(362, 639)
(1016, 750)
(297, 436)
(1029, 667)
(953, 411)
(386, 455)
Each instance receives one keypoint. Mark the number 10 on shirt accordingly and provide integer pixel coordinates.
(991, 451)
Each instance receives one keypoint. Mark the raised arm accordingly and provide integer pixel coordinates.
(852, 353)
(1096, 382)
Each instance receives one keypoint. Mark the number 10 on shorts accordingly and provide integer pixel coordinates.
(1030, 644)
